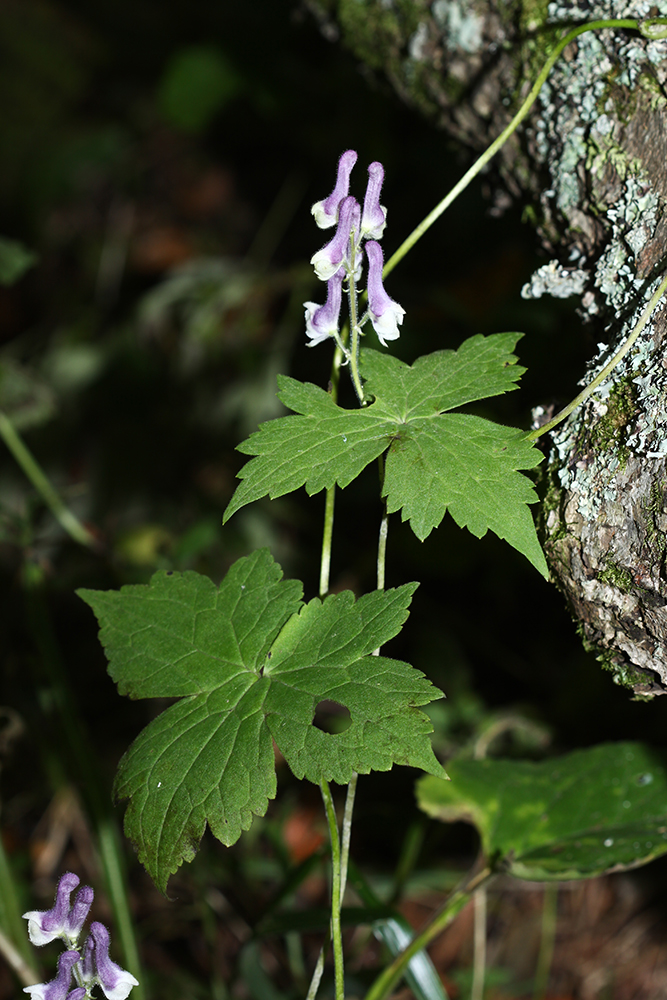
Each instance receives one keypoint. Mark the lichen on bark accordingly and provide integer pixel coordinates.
(593, 157)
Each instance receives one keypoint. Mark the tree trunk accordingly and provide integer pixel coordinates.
(593, 156)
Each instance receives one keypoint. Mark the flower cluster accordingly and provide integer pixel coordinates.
(90, 964)
(341, 261)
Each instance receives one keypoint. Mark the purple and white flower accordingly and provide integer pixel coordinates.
(385, 314)
(78, 913)
(116, 982)
(332, 256)
(47, 925)
(322, 321)
(58, 988)
(326, 212)
(374, 215)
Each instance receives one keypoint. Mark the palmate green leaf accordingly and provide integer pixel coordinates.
(436, 460)
(249, 661)
(592, 811)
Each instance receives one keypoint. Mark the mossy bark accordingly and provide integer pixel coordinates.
(593, 156)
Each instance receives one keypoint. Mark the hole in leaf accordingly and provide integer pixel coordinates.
(331, 717)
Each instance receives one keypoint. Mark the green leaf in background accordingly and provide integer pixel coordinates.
(592, 811)
(197, 83)
(436, 461)
(248, 665)
(15, 260)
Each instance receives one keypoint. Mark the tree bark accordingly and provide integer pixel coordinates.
(593, 157)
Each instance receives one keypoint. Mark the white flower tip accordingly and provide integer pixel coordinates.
(324, 267)
(386, 326)
(322, 218)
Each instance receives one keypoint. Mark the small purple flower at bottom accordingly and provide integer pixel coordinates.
(385, 314)
(322, 321)
(58, 988)
(116, 983)
(328, 260)
(326, 212)
(47, 925)
(78, 994)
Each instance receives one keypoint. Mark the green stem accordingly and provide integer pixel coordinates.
(548, 938)
(33, 471)
(336, 933)
(454, 903)
(330, 502)
(327, 536)
(354, 338)
(489, 153)
(606, 371)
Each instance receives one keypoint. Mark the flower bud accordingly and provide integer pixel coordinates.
(385, 314)
(47, 925)
(374, 216)
(326, 212)
(322, 321)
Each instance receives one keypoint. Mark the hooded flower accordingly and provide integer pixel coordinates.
(47, 925)
(59, 987)
(116, 983)
(385, 314)
(78, 913)
(374, 216)
(322, 321)
(330, 258)
(326, 212)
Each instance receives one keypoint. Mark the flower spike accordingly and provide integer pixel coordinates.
(328, 260)
(385, 314)
(322, 321)
(326, 212)
(59, 987)
(47, 925)
(374, 217)
(116, 983)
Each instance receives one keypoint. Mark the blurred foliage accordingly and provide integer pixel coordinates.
(159, 161)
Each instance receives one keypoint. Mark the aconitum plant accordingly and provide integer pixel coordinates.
(89, 964)
(340, 263)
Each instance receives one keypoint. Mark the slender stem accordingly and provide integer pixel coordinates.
(327, 536)
(317, 974)
(382, 546)
(33, 471)
(354, 337)
(548, 938)
(330, 502)
(455, 902)
(336, 933)
(489, 153)
(606, 371)
(479, 960)
(347, 832)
